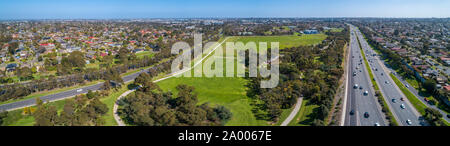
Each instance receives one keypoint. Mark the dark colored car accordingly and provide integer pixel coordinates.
(366, 115)
(352, 112)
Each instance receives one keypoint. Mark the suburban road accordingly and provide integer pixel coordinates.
(356, 100)
(72, 93)
(389, 89)
(62, 95)
(116, 106)
(416, 93)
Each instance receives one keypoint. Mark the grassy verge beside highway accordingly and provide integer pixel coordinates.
(414, 101)
(419, 105)
(385, 108)
(304, 115)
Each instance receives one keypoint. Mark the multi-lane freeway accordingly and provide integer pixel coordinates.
(360, 97)
(402, 109)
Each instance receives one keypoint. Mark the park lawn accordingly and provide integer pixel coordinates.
(305, 114)
(229, 92)
(16, 118)
(109, 101)
(336, 29)
(144, 53)
(44, 93)
(286, 41)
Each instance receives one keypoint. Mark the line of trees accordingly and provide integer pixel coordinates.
(311, 72)
(83, 110)
(19, 90)
(150, 106)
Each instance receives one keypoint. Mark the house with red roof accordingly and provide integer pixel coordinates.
(447, 88)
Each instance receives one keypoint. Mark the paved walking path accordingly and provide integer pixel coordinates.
(293, 112)
(116, 106)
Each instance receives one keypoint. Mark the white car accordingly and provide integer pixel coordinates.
(402, 106)
(408, 122)
(377, 124)
(407, 86)
(79, 90)
(355, 86)
(366, 92)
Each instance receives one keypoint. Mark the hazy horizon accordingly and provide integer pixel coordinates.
(139, 9)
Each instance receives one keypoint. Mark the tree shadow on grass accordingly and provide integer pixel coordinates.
(309, 118)
(132, 86)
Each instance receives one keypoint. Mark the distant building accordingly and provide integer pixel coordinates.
(447, 87)
(11, 67)
(310, 31)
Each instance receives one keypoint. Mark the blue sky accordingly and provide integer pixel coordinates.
(99, 9)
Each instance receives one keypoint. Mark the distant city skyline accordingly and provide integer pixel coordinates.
(132, 9)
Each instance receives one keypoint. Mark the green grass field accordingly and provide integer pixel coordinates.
(109, 101)
(413, 99)
(231, 91)
(16, 118)
(286, 41)
(144, 53)
(304, 115)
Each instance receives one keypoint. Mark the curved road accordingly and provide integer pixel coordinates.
(62, 95)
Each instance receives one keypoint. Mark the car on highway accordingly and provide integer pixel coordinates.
(381, 73)
(377, 124)
(352, 112)
(355, 86)
(366, 115)
(387, 82)
(408, 122)
(394, 100)
(366, 92)
(448, 115)
(402, 106)
(354, 73)
(406, 86)
(79, 90)
(402, 99)
(360, 87)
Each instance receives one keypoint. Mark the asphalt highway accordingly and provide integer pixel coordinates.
(389, 89)
(357, 101)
